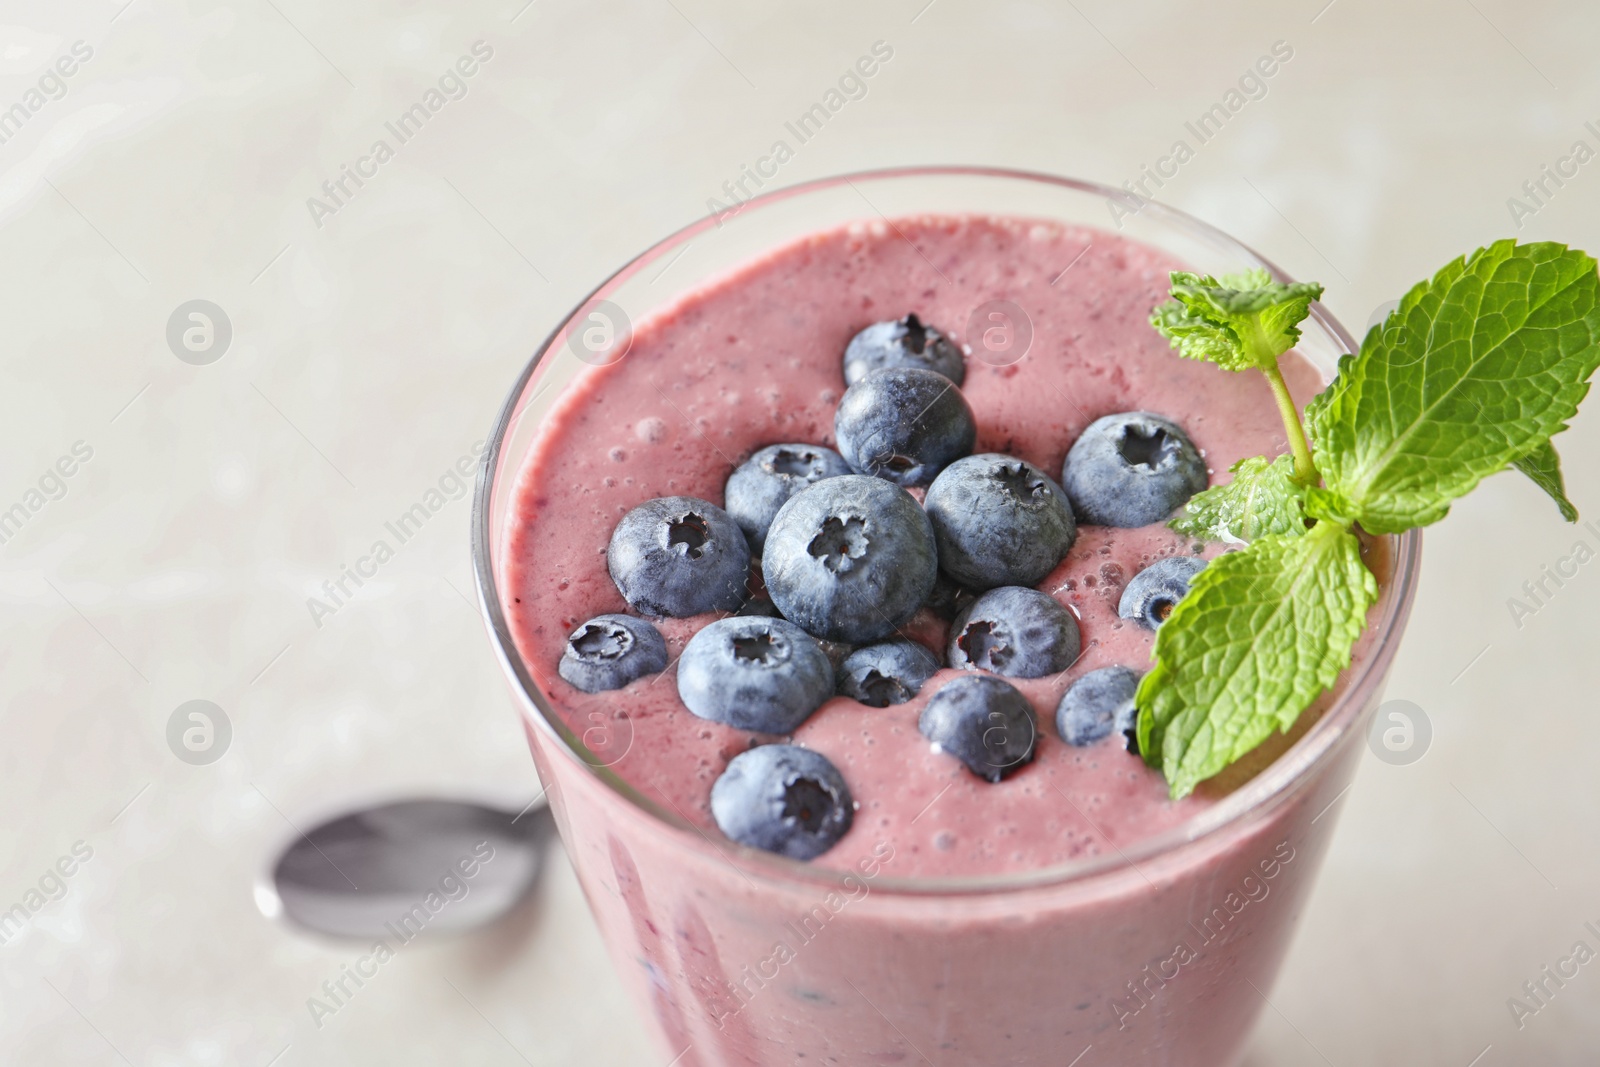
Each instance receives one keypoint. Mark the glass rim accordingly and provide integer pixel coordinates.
(1269, 786)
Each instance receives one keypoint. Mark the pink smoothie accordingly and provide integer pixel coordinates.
(755, 360)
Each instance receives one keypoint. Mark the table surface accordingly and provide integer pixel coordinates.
(176, 163)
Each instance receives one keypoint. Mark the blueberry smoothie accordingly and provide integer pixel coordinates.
(820, 570)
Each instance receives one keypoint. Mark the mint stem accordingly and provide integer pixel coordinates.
(1305, 470)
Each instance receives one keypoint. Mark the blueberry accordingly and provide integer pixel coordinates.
(1099, 703)
(906, 343)
(889, 673)
(998, 521)
(765, 675)
(679, 556)
(1015, 631)
(903, 425)
(784, 799)
(609, 651)
(1131, 470)
(850, 559)
(1156, 590)
(982, 721)
(764, 482)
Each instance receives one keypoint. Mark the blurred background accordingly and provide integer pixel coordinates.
(154, 153)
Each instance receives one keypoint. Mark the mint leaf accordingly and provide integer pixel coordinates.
(1322, 504)
(1198, 338)
(1543, 465)
(1242, 321)
(1262, 632)
(1473, 372)
(1262, 499)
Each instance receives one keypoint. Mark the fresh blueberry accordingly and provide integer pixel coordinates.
(784, 799)
(1015, 631)
(765, 675)
(982, 721)
(679, 556)
(1156, 590)
(905, 343)
(887, 673)
(1131, 470)
(763, 483)
(849, 559)
(1097, 704)
(998, 520)
(609, 651)
(903, 425)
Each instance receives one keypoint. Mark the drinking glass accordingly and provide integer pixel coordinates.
(1161, 953)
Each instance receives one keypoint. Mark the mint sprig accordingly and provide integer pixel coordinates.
(1244, 321)
(1473, 373)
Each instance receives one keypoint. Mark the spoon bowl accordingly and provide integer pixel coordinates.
(396, 869)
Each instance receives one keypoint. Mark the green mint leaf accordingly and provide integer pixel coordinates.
(1263, 499)
(1472, 373)
(1543, 465)
(1321, 504)
(1197, 338)
(1262, 632)
(1242, 321)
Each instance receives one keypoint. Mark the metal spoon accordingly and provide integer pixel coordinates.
(392, 870)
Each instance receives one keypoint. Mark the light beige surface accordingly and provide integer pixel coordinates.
(370, 352)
